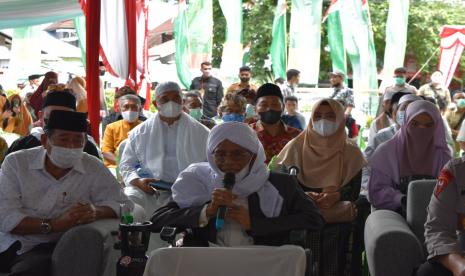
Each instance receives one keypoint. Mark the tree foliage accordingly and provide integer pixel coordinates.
(425, 21)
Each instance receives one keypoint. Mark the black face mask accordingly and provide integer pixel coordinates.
(102, 72)
(270, 117)
(245, 79)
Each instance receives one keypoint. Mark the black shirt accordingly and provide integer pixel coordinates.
(212, 96)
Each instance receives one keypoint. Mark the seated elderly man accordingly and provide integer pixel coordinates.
(262, 206)
(116, 132)
(48, 190)
(160, 148)
(55, 100)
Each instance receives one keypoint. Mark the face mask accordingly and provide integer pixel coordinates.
(233, 117)
(270, 117)
(461, 103)
(65, 158)
(196, 113)
(245, 79)
(130, 116)
(400, 80)
(170, 109)
(400, 118)
(102, 72)
(324, 127)
(249, 111)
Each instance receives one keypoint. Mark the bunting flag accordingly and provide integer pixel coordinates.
(278, 50)
(193, 31)
(305, 39)
(358, 43)
(232, 49)
(396, 39)
(452, 45)
(335, 39)
(80, 26)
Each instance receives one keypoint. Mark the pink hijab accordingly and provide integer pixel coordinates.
(414, 151)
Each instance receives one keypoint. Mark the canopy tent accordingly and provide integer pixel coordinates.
(452, 45)
(121, 41)
(21, 13)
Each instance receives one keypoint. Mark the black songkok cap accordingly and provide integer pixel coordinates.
(67, 120)
(396, 97)
(269, 89)
(60, 98)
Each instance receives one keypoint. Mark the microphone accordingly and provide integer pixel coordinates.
(229, 180)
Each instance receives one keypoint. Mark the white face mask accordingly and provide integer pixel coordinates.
(65, 158)
(324, 127)
(130, 116)
(170, 109)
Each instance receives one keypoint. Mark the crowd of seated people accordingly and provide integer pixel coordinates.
(173, 164)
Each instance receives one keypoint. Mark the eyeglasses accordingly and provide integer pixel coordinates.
(235, 155)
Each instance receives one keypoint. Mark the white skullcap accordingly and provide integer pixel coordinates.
(166, 87)
(409, 98)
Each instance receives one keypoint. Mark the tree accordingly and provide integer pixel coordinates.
(425, 21)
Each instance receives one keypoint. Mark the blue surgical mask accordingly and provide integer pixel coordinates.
(400, 80)
(400, 117)
(249, 111)
(233, 117)
(461, 103)
(196, 113)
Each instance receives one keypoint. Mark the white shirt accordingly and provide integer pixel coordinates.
(170, 162)
(28, 190)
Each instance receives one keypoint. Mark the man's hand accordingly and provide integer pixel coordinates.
(454, 262)
(240, 214)
(144, 185)
(7, 114)
(68, 219)
(220, 197)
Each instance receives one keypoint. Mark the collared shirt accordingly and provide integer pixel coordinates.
(28, 190)
(345, 94)
(436, 93)
(115, 133)
(287, 90)
(170, 161)
(238, 86)
(274, 144)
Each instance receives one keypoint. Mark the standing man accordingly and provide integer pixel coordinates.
(435, 90)
(293, 78)
(32, 86)
(400, 85)
(210, 88)
(336, 78)
(271, 131)
(245, 74)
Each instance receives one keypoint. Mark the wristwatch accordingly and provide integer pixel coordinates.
(45, 226)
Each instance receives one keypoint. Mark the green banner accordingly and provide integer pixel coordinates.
(232, 49)
(396, 38)
(278, 50)
(305, 39)
(193, 32)
(80, 26)
(335, 39)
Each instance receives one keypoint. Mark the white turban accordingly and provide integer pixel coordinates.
(195, 184)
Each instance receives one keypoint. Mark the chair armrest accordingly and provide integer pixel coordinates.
(391, 247)
(85, 249)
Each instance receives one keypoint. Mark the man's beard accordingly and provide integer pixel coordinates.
(245, 79)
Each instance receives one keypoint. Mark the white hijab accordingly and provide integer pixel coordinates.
(195, 184)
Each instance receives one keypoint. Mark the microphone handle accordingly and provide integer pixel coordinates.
(221, 213)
